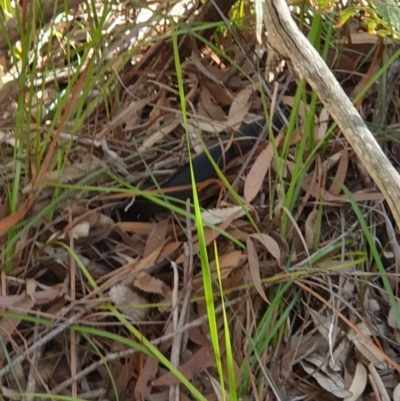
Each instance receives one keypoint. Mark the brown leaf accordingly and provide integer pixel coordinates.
(217, 216)
(257, 173)
(270, 245)
(130, 303)
(254, 268)
(156, 237)
(4, 212)
(8, 325)
(310, 228)
(46, 296)
(228, 262)
(372, 354)
(13, 219)
(147, 283)
(240, 106)
(323, 121)
(200, 361)
(259, 170)
(341, 173)
(158, 135)
(208, 107)
(147, 375)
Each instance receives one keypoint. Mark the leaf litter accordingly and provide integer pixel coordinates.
(129, 264)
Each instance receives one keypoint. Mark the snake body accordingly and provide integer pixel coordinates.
(203, 169)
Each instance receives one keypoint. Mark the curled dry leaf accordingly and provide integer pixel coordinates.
(128, 302)
(396, 393)
(359, 382)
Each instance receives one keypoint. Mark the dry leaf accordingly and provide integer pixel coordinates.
(310, 228)
(208, 107)
(157, 136)
(396, 393)
(80, 230)
(324, 324)
(340, 354)
(13, 219)
(259, 170)
(46, 296)
(156, 237)
(341, 173)
(257, 173)
(216, 216)
(23, 302)
(216, 385)
(373, 355)
(30, 286)
(377, 384)
(227, 263)
(359, 382)
(323, 122)
(391, 319)
(201, 360)
(128, 302)
(147, 283)
(4, 212)
(329, 381)
(270, 245)
(11, 394)
(146, 376)
(240, 106)
(71, 172)
(254, 268)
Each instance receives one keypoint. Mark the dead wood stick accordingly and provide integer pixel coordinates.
(288, 41)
